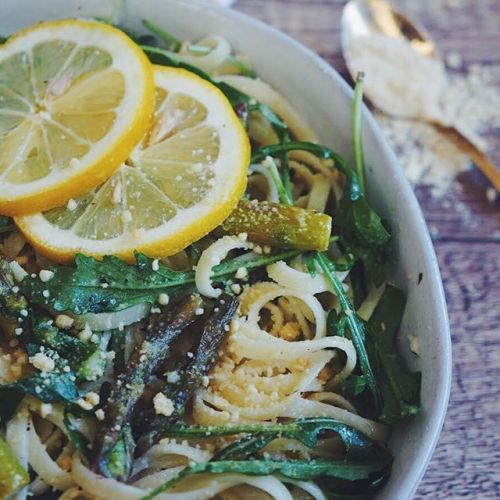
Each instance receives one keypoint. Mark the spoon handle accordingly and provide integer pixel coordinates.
(473, 152)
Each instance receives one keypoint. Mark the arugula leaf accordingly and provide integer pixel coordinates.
(48, 387)
(241, 102)
(305, 430)
(335, 324)
(355, 325)
(80, 289)
(175, 45)
(293, 469)
(45, 333)
(13, 476)
(79, 441)
(400, 389)
(172, 42)
(353, 385)
(366, 463)
(361, 230)
(6, 223)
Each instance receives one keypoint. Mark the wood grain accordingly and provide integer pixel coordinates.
(465, 227)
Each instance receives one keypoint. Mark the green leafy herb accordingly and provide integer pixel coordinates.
(357, 129)
(284, 194)
(6, 223)
(172, 42)
(12, 304)
(354, 324)
(362, 232)
(241, 102)
(364, 459)
(294, 469)
(45, 333)
(335, 324)
(80, 289)
(400, 389)
(52, 387)
(353, 385)
(79, 441)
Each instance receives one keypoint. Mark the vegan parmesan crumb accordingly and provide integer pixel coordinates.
(64, 322)
(72, 205)
(45, 409)
(163, 405)
(163, 299)
(42, 362)
(45, 275)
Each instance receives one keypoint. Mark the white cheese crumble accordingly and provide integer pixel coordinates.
(126, 216)
(155, 265)
(45, 409)
(241, 273)
(72, 205)
(91, 399)
(163, 299)
(85, 334)
(64, 321)
(99, 414)
(163, 405)
(45, 275)
(173, 377)
(42, 362)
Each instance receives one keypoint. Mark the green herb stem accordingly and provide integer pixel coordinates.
(357, 132)
(283, 193)
(173, 43)
(354, 324)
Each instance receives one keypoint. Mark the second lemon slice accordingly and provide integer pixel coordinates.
(180, 183)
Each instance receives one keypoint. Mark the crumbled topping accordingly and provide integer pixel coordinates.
(163, 299)
(45, 275)
(64, 321)
(42, 362)
(163, 405)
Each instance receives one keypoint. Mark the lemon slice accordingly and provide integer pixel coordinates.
(181, 182)
(75, 98)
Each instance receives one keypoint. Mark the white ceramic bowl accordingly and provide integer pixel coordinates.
(324, 99)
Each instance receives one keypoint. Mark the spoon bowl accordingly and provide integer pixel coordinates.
(408, 77)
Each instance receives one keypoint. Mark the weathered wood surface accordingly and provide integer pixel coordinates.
(466, 463)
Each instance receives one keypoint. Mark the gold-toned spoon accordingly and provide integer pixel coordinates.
(405, 74)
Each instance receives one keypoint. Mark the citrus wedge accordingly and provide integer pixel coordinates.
(75, 98)
(181, 182)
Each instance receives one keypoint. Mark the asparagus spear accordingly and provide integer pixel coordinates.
(192, 375)
(12, 474)
(129, 386)
(279, 225)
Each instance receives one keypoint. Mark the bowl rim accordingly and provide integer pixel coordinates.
(419, 465)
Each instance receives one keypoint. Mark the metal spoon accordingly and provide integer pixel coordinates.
(361, 18)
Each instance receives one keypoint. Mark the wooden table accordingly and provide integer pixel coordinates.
(466, 463)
